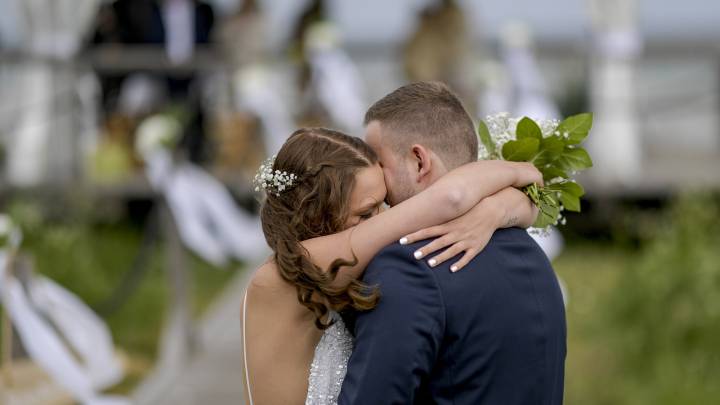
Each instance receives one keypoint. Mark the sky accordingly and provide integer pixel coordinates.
(390, 21)
(373, 21)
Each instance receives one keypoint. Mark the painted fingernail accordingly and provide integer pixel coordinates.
(403, 241)
(418, 254)
(432, 262)
(453, 268)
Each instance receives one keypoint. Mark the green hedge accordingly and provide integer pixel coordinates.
(663, 313)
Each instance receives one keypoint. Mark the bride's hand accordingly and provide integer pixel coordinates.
(470, 232)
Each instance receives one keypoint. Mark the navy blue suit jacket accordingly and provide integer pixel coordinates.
(492, 333)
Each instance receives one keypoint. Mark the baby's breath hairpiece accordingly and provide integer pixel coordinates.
(273, 181)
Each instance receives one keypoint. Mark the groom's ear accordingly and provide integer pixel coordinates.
(422, 161)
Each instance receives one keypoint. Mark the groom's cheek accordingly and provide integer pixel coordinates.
(388, 188)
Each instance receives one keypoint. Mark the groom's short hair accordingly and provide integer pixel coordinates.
(428, 113)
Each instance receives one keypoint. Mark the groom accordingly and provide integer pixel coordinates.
(492, 333)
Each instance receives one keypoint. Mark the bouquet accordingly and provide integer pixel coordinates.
(553, 146)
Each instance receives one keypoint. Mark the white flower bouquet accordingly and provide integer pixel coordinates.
(553, 146)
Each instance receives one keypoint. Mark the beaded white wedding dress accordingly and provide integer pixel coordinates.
(329, 364)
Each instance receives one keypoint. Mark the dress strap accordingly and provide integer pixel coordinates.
(247, 373)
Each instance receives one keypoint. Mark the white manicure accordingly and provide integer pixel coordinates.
(453, 268)
(403, 241)
(418, 254)
(432, 262)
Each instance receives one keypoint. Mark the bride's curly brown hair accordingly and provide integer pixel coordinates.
(326, 163)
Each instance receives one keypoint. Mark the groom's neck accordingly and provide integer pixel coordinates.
(441, 168)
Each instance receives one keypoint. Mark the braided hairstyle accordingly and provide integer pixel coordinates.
(326, 163)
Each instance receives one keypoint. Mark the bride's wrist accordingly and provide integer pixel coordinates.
(497, 211)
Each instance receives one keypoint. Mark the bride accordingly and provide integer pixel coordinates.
(324, 221)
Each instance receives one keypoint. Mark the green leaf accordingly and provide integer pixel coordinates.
(527, 128)
(550, 149)
(522, 150)
(577, 127)
(547, 216)
(572, 188)
(574, 159)
(553, 144)
(570, 202)
(552, 172)
(550, 198)
(569, 187)
(485, 138)
(548, 204)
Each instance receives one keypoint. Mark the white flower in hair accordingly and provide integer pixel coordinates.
(273, 181)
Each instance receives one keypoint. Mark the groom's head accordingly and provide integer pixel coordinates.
(420, 132)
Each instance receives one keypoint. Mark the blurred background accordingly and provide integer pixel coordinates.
(130, 131)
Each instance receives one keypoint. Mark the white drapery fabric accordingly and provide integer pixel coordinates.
(339, 88)
(616, 144)
(257, 90)
(208, 220)
(528, 84)
(179, 19)
(45, 314)
(43, 117)
(335, 78)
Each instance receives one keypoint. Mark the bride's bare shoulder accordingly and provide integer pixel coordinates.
(266, 275)
(270, 297)
(267, 283)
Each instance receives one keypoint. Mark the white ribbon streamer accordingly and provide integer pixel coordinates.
(339, 88)
(82, 328)
(257, 91)
(47, 349)
(208, 220)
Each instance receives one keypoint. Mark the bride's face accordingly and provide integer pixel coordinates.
(367, 196)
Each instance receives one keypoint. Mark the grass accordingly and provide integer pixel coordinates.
(589, 271)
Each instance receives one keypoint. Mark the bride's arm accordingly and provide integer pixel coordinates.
(470, 232)
(449, 197)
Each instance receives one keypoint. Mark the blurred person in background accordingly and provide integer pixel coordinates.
(314, 13)
(243, 36)
(331, 88)
(439, 46)
(254, 114)
(310, 111)
(175, 25)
